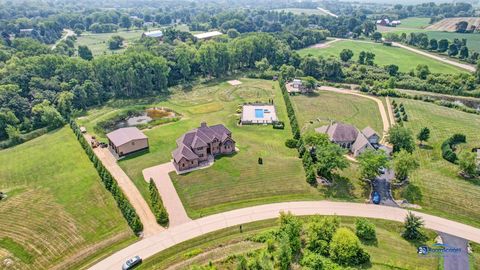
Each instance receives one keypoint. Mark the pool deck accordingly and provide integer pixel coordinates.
(259, 114)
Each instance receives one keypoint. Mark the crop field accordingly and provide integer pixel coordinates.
(384, 55)
(57, 213)
(436, 182)
(389, 253)
(449, 24)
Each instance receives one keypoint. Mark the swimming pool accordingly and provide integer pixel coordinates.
(258, 113)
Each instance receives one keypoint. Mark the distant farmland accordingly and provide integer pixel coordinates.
(449, 24)
(306, 11)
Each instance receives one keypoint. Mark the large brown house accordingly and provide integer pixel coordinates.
(349, 137)
(196, 146)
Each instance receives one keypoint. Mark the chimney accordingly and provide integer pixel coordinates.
(203, 124)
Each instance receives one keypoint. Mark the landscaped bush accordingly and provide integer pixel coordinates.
(159, 210)
(110, 184)
(291, 143)
(365, 229)
(278, 125)
(448, 147)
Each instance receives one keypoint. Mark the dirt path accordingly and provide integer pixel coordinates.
(436, 57)
(326, 11)
(381, 108)
(324, 45)
(176, 212)
(390, 111)
(173, 236)
(68, 33)
(150, 225)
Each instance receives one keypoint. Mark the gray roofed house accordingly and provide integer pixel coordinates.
(127, 140)
(196, 146)
(349, 137)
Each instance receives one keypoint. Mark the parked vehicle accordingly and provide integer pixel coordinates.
(376, 197)
(132, 263)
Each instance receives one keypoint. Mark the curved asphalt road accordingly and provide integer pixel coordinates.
(175, 235)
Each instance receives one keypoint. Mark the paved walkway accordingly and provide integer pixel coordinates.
(468, 67)
(176, 212)
(175, 235)
(150, 225)
(381, 108)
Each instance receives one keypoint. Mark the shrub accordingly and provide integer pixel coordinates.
(161, 214)
(345, 249)
(365, 230)
(291, 143)
(260, 161)
(279, 125)
(448, 147)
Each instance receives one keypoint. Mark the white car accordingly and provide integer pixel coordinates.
(131, 263)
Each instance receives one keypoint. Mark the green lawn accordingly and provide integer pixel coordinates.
(404, 59)
(318, 110)
(233, 181)
(473, 40)
(98, 42)
(57, 211)
(415, 22)
(443, 192)
(391, 251)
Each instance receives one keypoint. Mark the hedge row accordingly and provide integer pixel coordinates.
(303, 154)
(159, 210)
(110, 184)
(448, 147)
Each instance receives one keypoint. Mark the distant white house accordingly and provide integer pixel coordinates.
(297, 83)
(208, 35)
(387, 22)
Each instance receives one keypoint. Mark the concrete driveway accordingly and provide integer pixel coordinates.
(382, 185)
(456, 261)
(159, 174)
(189, 230)
(150, 225)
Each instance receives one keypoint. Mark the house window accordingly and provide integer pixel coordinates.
(192, 162)
(133, 143)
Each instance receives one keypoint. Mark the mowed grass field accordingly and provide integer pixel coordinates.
(384, 55)
(233, 181)
(415, 22)
(320, 109)
(57, 212)
(306, 11)
(98, 42)
(443, 192)
(389, 252)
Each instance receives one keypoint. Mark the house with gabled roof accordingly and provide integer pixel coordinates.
(124, 141)
(199, 145)
(349, 137)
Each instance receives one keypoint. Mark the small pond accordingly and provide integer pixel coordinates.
(144, 117)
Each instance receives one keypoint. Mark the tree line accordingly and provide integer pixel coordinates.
(110, 184)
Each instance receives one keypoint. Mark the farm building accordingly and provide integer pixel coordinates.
(258, 114)
(124, 141)
(200, 145)
(208, 35)
(158, 34)
(349, 137)
(387, 22)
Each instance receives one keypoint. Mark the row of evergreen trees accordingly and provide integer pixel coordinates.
(306, 158)
(110, 184)
(158, 209)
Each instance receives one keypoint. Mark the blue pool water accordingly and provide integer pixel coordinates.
(258, 113)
